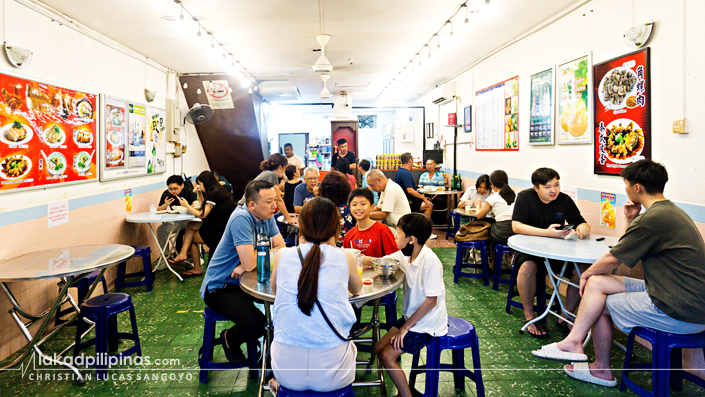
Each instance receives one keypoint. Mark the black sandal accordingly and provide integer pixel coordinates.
(563, 326)
(542, 334)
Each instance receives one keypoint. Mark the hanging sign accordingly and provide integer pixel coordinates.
(218, 94)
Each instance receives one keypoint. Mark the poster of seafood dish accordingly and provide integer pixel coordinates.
(133, 139)
(622, 101)
(47, 134)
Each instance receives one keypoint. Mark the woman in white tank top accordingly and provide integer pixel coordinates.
(306, 353)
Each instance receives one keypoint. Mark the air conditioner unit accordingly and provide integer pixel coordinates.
(443, 94)
(279, 91)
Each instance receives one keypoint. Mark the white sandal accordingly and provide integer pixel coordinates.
(581, 371)
(552, 352)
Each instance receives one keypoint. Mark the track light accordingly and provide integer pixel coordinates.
(185, 85)
(198, 91)
(198, 35)
(438, 41)
(249, 91)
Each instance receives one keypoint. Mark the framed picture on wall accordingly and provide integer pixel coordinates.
(429, 130)
(541, 120)
(467, 118)
(574, 101)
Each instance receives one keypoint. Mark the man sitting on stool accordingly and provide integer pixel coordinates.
(417, 201)
(392, 203)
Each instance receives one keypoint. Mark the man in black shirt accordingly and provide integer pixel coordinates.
(541, 211)
(403, 177)
(344, 153)
(176, 188)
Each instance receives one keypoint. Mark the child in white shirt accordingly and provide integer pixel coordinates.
(424, 305)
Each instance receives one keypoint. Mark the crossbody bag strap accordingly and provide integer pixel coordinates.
(320, 308)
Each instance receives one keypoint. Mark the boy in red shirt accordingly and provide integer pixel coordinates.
(370, 237)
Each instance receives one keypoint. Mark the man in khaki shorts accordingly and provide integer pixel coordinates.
(668, 244)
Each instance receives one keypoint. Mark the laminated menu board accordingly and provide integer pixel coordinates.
(497, 116)
(47, 134)
(133, 140)
(622, 112)
(541, 120)
(574, 98)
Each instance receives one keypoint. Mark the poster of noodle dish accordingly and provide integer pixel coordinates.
(622, 101)
(47, 134)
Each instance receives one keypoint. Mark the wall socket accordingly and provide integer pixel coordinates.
(680, 126)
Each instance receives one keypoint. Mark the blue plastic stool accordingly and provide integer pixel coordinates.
(205, 353)
(459, 265)
(103, 311)
(540, 291)
(82, 287)
(461, 335)
(500, 250)
(389, 302)
(344, 392)
(454, 220)
(666, 364)
(144, 252)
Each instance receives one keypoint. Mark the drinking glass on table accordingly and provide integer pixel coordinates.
(152, 208)
(360, 264)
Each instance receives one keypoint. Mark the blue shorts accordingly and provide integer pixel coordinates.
(634, 308)
(413, 341)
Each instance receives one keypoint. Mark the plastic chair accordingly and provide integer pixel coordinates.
(459, 265)
(144, 252)
(461, 335)
(454, 220)
(82, 287)
(103, 311)
(283, 230)
(500, 250)
(540, 291)
(666, 363)
(205, 353)
(344, 392)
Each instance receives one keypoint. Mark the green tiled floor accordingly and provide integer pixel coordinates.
(171, 328)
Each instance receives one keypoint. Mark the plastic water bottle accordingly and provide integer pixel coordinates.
(263, 269)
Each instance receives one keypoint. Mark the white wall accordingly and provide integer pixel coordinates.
(677, 86)
(67, 58)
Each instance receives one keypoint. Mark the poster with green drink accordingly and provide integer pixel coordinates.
(574, 98)
(541, 122)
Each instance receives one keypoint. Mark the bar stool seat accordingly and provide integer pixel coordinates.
(459, 264)
(103, 311)
(344, 392)
(461, 335)
(82, 286)
(500, 250)
(205, 353)
(455, 218)
(667, 361)
(144, 252)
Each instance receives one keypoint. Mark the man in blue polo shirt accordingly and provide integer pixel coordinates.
(234, 256)
(417, 201)
(306, 191)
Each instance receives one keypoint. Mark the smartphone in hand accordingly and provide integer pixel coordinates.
(566, 227)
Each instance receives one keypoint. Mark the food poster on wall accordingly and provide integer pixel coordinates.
(156, 140)
(497, 116)
(136, 137)
(541, 122)
(574, 100)
(115, 136)
(608, 214)
(622, 112)
(128, 201)
(47, 134)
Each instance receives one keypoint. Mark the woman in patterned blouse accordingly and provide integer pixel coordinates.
(336, 187)
(431, 177)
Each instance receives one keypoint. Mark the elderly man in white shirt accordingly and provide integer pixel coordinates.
(392, 203)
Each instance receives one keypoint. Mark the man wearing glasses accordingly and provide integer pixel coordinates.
(306, 191)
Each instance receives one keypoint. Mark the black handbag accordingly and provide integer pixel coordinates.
(323, 313)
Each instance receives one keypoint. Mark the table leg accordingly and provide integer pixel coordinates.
(162, 249)
(555, 295)
(266, 350)
(33, 342)
(375, 339)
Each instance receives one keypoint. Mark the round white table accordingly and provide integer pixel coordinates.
(380, 287)
(149, 218)
(574, 251)
(70, 264)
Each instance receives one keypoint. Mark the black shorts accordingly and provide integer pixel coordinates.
(415, 204)
(556, 265)
(413, 341)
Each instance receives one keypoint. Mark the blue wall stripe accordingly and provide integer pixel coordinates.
(694, 211)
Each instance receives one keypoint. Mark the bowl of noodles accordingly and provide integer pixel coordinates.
(625, 141)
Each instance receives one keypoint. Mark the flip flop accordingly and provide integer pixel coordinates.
(581, 371)
(541, 335)
(563, 326)
(273, 387)
(190, 274)
(552, 352)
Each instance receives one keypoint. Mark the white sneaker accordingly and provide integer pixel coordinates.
(433, 236)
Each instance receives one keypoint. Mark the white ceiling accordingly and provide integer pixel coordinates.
(371, 40)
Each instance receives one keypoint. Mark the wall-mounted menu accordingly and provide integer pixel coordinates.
(497, 116)
(622, 112)
(133, 140)
(47, 134)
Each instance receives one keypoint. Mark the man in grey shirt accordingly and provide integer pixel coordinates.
(669, 246)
